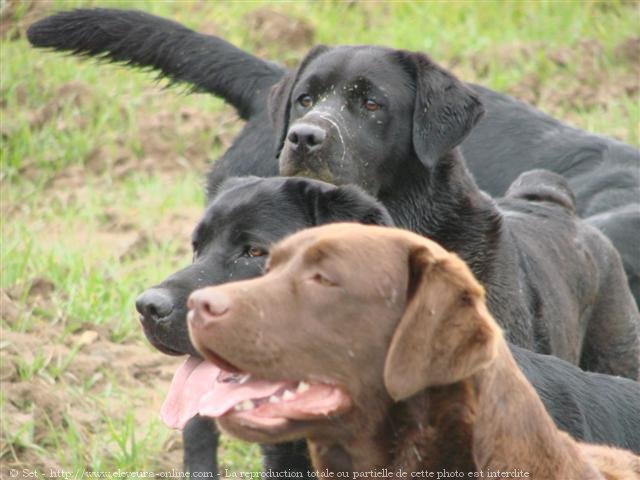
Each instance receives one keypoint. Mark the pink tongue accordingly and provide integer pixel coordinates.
(190, 382)
(195, 389)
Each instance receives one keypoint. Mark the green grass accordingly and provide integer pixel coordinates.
(73, 220)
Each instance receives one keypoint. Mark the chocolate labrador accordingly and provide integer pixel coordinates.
(394, 363)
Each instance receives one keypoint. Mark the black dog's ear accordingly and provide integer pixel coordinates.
(278, 105)
(279, 101)
(326, 203)
(230, 183)
(350, 204)
(445, 109)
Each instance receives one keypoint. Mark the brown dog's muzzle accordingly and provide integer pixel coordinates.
(244, 402)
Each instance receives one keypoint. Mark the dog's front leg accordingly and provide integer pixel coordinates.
(287, 457)
(200, 443)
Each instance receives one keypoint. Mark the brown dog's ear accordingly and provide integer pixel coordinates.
(279, 101)
(445, 109)
(445, 334)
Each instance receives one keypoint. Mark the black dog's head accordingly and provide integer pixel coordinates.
(353, 115)
(232, 240)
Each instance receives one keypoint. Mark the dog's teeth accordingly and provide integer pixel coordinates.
(245, 405)
(273, 399)
(287, 395)
(303, 387)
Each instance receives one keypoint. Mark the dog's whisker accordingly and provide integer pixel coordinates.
(326, 116)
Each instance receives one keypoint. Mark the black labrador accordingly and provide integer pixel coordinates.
(231, 242)
(513, 137)
(390, 121)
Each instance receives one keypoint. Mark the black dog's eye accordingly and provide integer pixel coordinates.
(305, 100)
(371, 105)
(254, 252)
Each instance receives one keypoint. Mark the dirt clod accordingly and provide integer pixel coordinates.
(9, 310)
(73, 94)
(85, 338)
(41, 287)
(279, 31)
(629, 51)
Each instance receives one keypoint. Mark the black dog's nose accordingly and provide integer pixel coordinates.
(154, 305)
(306, 136)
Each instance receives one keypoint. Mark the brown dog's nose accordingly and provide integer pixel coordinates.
(207, 305)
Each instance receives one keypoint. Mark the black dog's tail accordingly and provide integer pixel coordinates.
(138, 39)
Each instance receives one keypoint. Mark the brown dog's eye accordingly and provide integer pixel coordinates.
(322, 280)
(254, 252)
(305, 100)
(371, 105)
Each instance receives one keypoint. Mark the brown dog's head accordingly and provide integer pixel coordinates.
(348, 319)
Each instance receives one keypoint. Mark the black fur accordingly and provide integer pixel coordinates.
(200, 442)
(592, 407)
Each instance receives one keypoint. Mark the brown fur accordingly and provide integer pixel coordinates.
(432, 382)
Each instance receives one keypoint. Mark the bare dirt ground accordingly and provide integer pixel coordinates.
(132, 366)
(90, 361)
(582, 80)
